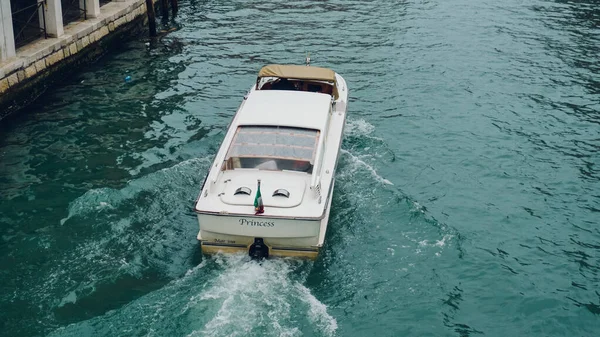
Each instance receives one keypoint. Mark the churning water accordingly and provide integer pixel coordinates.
(467, 199)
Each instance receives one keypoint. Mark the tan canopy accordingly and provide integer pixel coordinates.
(301, 73)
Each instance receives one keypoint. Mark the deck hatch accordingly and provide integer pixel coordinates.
(243, 190)
(293, 183)
(281, 192)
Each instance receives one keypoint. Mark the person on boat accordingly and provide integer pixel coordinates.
(301, 165)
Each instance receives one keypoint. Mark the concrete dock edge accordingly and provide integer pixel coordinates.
(39, 64)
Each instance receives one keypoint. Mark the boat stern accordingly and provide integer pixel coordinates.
(260, 237)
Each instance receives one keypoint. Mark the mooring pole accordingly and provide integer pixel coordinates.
(174, 7)
(164, 10)
(151, 17)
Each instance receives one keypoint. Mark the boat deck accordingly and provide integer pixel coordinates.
(301, 202)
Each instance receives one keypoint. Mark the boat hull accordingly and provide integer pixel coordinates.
(284, 237)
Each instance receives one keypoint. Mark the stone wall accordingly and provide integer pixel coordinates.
(24, 77)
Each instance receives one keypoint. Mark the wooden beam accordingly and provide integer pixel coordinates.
(164, 10)
(174, 7)
(151, 17)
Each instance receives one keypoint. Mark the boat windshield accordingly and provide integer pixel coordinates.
(275, 83)
(272, 148)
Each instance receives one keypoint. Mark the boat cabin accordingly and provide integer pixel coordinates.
(297, 78)
(279, 131)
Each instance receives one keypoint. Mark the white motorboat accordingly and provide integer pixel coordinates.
(269, 189)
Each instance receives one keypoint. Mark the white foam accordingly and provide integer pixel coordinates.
(70, 298)
(318, 312)
(258, 299)
(418, 207)
(442, 242)
(438, 243)
(357, 161)
(358, 127)
(245, 288)
(104, 204)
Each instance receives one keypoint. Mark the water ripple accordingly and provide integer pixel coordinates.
(466, 200)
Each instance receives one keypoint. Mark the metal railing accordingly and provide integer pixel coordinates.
(25, 30)
(72, 12)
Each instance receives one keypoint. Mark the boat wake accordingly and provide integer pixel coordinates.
(266, 298)
(359, 162)
(362, 149)
(136, 232)
(223, 296)
(406, 227)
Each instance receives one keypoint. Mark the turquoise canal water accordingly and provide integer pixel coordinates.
(468, 189)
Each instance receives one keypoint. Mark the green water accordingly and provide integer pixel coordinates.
(468, 189)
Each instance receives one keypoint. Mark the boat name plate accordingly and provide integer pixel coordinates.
(254, 223)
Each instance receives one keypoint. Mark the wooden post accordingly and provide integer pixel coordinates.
(151, 17)
(174, 7)
(164, 10)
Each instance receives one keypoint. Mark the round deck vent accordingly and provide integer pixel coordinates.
(243, 190)
(282, 192)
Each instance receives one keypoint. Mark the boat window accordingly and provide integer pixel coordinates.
(273, 148)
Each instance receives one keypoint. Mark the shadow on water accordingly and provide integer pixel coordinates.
(87, 133)
(114, 246)
(107, 296)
